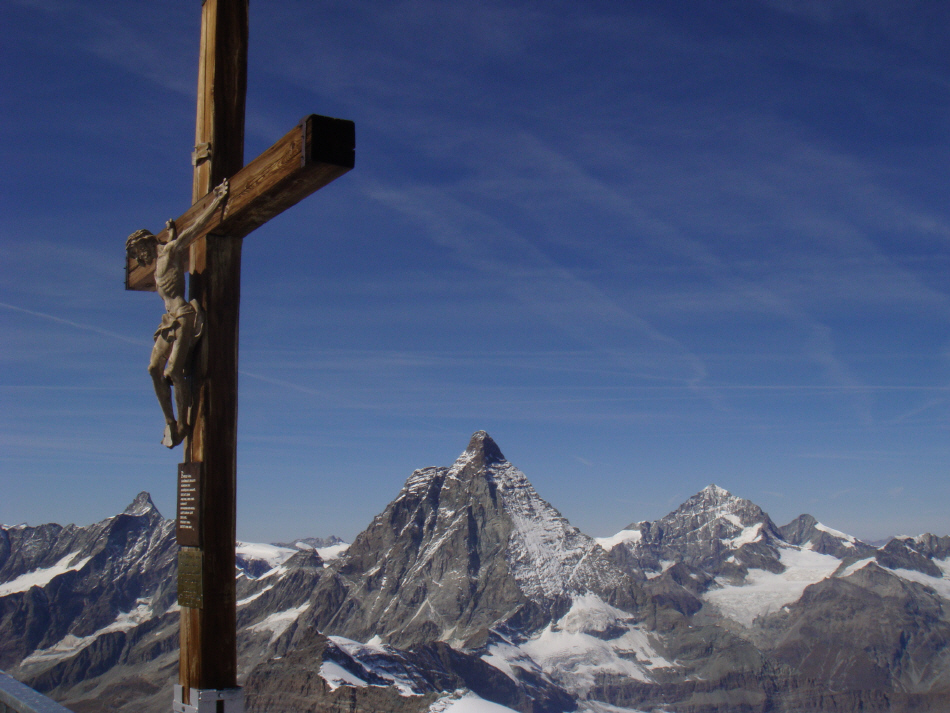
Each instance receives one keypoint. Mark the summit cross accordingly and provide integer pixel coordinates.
(206, 240)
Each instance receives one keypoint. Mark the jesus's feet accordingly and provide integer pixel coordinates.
(171, 437)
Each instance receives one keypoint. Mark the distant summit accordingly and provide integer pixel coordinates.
(483, 450)
(806, 531)
(142, 505)
(713, 530)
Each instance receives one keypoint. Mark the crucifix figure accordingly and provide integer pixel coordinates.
(182, 322)
(206, 241)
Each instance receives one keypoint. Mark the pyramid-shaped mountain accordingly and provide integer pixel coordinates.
(461, 550)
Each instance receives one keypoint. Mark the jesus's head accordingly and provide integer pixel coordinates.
(141, 246)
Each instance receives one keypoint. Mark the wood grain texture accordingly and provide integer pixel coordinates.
(316, 152)
(209, 659)
(222, 90)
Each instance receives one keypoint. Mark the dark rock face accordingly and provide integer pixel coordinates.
(902, 554)
(292, 684)
(931, 546)
(876, 639)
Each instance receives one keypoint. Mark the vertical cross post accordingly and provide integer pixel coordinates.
(208, 646)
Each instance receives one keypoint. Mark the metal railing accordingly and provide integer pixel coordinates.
(16, 697)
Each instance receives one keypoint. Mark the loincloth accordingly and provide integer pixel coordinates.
(189, 318)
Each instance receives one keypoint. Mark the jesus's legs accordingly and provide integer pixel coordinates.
(156, 368)
(176, 373)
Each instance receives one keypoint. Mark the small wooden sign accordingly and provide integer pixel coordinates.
(190, 577)
(189, 505)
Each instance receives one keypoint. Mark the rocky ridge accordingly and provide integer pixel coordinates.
(712, 531)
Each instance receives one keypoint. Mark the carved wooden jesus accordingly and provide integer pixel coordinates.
(182, 322)
(314, 153)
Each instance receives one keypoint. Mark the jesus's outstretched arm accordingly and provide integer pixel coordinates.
(182, 241)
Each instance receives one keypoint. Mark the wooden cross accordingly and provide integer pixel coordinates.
(310, 156)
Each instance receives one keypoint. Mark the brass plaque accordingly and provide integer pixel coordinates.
(190, 575)
(189, 505)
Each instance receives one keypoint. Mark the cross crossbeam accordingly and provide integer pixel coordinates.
(316, 152)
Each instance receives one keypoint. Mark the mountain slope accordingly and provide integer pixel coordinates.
(79, 582)
(827, 621)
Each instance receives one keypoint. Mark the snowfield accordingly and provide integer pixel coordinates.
(624, 536)
(747, 536)
(336, 676)
(70, 645)
(42, 577)
(764, 592)
(273, 555)
(573, 650)
(333, 552)
(278, 622)
(467, 703)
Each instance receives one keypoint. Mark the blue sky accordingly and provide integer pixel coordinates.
(647, 246)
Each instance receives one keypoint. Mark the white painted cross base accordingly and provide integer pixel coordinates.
(210, 700)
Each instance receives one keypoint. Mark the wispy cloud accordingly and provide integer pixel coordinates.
(548, 289)
(75, 325)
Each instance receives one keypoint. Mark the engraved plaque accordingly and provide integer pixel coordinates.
(189, 504)
(190, 572)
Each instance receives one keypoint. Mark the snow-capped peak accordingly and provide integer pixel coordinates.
(715, 492)
(481, 451)
(836, 533)
(142, 505)
(455, 532)
(482, 448)
(712, 503)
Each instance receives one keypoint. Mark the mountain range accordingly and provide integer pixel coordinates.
(471, 590)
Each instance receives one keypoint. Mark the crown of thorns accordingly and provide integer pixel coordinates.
(137, 237)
